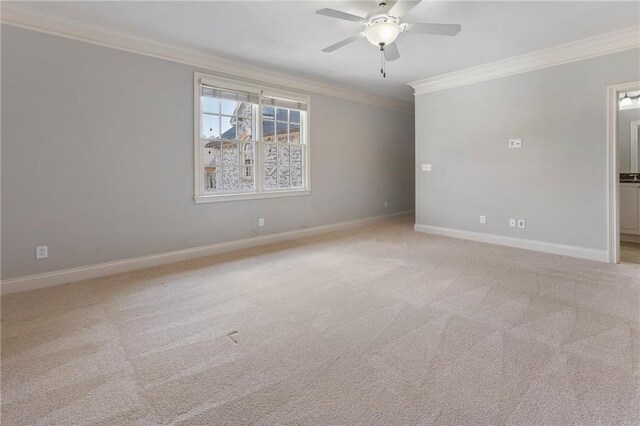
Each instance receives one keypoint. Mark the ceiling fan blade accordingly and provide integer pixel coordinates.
(332, 13)
(391, 52)
(343, 43)
(402, 7)
(436, 29)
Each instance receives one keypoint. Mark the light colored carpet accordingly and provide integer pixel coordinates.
(375, 326)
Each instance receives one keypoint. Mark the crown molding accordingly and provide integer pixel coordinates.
(616, 41)
(187, 55)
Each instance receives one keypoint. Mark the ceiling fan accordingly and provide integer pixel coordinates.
(382, 26)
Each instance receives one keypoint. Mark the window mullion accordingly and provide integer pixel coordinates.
(259, 149)
(220, 169)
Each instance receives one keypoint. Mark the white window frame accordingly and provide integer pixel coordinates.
(263, 91)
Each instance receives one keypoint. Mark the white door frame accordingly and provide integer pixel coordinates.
(635, 125)
(613, 188)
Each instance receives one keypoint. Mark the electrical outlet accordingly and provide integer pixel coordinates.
(515, 143)
(261, 222)
(426, 167)
(483, 219)
(42, 252)
(512, 223)
(521, 223)
(386, 204)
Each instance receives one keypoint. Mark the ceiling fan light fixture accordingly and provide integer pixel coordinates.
(382, 33)
(382, 26)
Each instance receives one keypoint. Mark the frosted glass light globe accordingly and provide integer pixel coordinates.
(382, 33)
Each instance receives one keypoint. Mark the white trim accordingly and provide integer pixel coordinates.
(635, 125)
(48, 279)
(603, 44)
(541, 246)
(613, 187)
(188, 55)
(250, 196)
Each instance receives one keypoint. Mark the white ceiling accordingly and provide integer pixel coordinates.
(288, 36)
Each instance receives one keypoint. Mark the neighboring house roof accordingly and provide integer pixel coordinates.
(267, 129)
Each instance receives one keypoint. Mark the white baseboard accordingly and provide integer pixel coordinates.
(542, 246)
(48, 279)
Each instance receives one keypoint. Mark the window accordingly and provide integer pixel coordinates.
(252, 141)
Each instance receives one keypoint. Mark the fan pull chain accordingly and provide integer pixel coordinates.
(383, 62)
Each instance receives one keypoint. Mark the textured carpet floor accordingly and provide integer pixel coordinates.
(374, 326)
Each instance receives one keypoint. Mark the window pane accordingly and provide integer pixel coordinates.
(268, 112)
(294, 116)
(247, 155)
(230, 154)
(296, 156)
(247, 183)
(283, 177)
(247, 169)
(229, 107)
(294, 133)
(210, 126)
(245, 109)
(270, 154)
(228, 127)
(282, 114)
(244, 129)
(230, 178)
(296, 177)
(268, 131)
(210, 104)
(211, 155)
(211, 179)
(270, 181)
(281, 132)
(283, 155)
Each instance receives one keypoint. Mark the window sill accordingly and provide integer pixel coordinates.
(200, 199)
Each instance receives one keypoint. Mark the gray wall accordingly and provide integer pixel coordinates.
(625, 118)
(557, 182)
(97, 160)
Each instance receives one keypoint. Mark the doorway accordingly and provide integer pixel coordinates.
(623, 125)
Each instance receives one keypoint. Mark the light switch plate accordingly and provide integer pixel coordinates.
(426, 167)
(512, 223)
(521, 223)
(42, 252)
(515, 143)
(483, 219)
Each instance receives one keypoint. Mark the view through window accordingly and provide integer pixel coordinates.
(250, 143)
